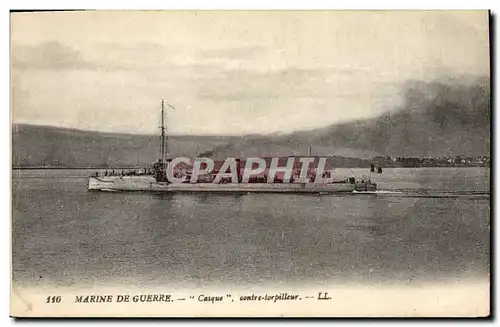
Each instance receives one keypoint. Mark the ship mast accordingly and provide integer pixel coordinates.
(164, 136)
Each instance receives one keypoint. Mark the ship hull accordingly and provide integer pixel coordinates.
(149, 184)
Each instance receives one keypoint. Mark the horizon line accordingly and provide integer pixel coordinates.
(124, 133)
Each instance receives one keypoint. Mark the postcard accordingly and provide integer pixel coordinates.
(250, 163)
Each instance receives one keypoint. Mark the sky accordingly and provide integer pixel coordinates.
(232, 72)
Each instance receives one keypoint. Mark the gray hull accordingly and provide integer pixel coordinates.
(148, 183)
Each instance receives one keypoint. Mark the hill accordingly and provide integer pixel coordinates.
(437, 119)
(52, 146)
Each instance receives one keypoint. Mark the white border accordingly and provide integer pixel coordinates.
(255, 4)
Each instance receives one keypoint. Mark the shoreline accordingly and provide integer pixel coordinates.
(136, 168)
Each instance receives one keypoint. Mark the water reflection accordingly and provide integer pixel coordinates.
(69, 235)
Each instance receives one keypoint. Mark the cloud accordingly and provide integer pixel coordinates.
(328, 83)
(108, 56)
(48, 55)
(242, 88)
(241, 53)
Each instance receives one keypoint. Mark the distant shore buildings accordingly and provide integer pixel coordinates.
(331, 162)
(455, 161)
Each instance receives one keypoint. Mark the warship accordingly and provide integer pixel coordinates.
(180, 175)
